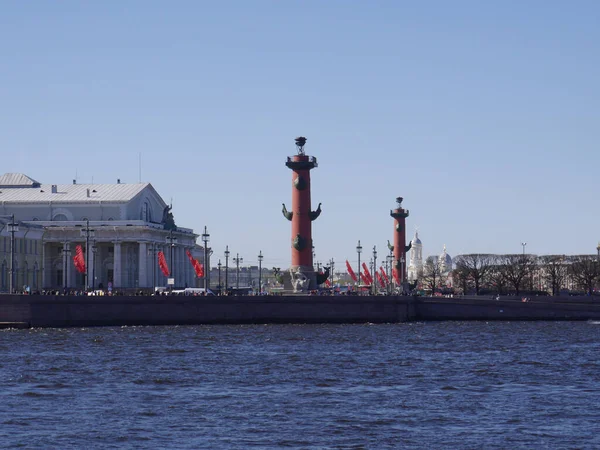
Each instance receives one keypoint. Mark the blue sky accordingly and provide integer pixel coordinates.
(484, 116)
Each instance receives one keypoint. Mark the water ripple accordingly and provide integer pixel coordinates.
(418, 385)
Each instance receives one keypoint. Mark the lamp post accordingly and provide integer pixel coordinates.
(154, 264)
(171, 240)
(152, 254)
(87, 233)
(388, 265)
(374, 269)
(219, 266)
(227, 269)
(205, 239)
(523, 244)
(237, 260)
(402, 261)
(260, 259)
(94, 250)
(598, 249)
(359, 251)
(332, 265)
(12, 229)
(65, 252)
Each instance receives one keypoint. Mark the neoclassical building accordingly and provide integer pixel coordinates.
(121, 227)
(415, 266)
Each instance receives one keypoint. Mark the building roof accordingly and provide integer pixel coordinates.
(14, 180)
(17, 192)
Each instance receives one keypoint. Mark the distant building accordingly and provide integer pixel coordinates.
(415, 266)
(127, 224)
(27, 250)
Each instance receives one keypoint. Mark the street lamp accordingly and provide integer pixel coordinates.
(65, 252)
(94, 250)
(153, 253)
(359, 251)
(598, 249)
(227, 269)
(87, 233)
(237, 260)
(332, 265)
(388, 265)
(219, 266)
(523, 244)
(205, 239)
(12, 229)
(402, 261)
(374, 269)
(260, 259)
(172, 240)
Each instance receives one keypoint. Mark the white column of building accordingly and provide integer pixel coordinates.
(46, 265)
(143, 265)
(163, 279)
(117, 265)
(186, 268)
(180, 268)
(65, 263)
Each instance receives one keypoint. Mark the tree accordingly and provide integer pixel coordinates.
(461, 276)
(496, 275)
(516, 268)
(554, 271)
(585, 270)
(432, 274)
(476, 266)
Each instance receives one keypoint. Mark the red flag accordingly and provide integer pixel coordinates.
(350, 271)
(327, 283)
(381, 283)
(78, 259)
(367, 273)
(395, 275)
(162, 263)
(198, 268)
(384, 275)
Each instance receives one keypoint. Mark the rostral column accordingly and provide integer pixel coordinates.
(302, 270)
(400, 248)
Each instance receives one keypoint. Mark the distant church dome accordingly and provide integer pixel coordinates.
(446, 260)
(416, 240)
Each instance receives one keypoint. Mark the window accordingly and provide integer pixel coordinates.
(60, 217)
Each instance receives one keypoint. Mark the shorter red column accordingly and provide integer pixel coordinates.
(400, 248)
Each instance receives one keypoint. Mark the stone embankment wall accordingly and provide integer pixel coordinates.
(65, 311)
(509, 308)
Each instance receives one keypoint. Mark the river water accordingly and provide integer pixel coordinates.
(414, 385)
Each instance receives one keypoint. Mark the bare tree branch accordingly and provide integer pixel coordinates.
(476, 266)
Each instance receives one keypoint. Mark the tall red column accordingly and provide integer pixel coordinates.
(301, 270)
(400, 248)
